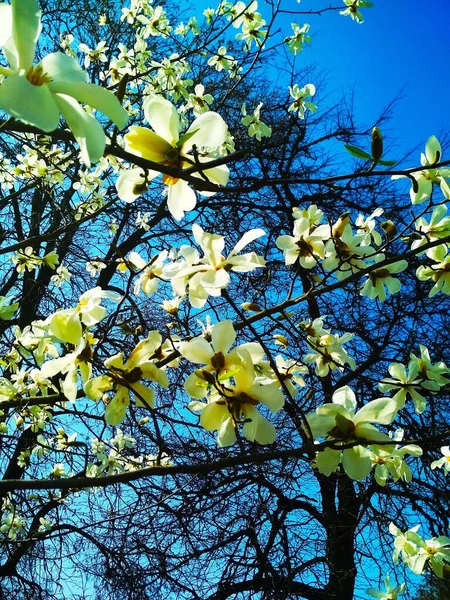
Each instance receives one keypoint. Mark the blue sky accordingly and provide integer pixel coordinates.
(402, 46)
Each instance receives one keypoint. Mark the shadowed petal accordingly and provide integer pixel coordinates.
(30, 103)
(95, 96)
(61, 67)
(86, 129)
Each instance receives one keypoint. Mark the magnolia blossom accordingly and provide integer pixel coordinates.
(299, 96)
(381, 279)
(353, 9)
(345, 251)
(408, 384)
(328, 353)
(126, 377)
(390, 462)
(295, 42)
(164, 145)
(424, 180)
(234, 401)
(338, 422)
(69, 364)
(439, 272)
(437, 228)
(215, 357)
(391, 593)
(443, 462)
(151, 271)
(39, 94)
(66, 324)
(306, 244)
(417, 553)
(366, 225)
(256, 127)
(209, 275)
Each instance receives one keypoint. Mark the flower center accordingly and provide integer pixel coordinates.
(36, 76)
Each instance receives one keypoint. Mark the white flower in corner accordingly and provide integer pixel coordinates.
(39, 94)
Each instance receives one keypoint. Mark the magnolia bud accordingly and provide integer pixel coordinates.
(389, 228)
(338, 228)
(377, 145)
(251, 307)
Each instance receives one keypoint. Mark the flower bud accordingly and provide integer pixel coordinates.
(377, 145)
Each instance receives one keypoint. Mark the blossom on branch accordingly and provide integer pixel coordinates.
(164, 145)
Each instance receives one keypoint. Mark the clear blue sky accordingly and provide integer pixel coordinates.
(402, 46)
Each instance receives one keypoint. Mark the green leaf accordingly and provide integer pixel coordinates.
(388, 163)
(185, 137)
(357, 152)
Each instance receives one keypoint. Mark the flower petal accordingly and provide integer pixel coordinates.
(198, 351)
(5, 23)
(163, 118)
(30, 103)
(26, 26)
(86, 129)
(93, 95)
(61, 67)
(246, 239)
(356, 462)
(210, 131)
(381, 411)
(223, 336)
(180, 199)
(146, 143)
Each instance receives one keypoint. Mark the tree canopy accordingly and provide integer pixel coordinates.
(224, 308)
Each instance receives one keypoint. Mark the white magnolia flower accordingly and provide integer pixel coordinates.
(353, 9)
(443, 462)
(381, 279)
(408, 383)
(439, 272)
(299, 96)
(66, 324)
(306, 244)
(39, 94)
(424, 180)
(125, 378)
(295, 42)
(338, 421)
(256, 128)
(437, 228)
(209, 275)
(165, 146)
(234, 401)
(391, 593)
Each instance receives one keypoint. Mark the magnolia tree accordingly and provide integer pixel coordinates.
(224, 324)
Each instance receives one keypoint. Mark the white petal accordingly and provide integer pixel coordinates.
(346, 397)
(26, 30)
(198, 351)
(5, 23)
(381, 411)
(356, 462)
(61, 67)
(246, 239)
(86, 129)
(211, 131)
(30, 103)
(93, 95)
(163, 118)
(180, 199)
(219, 175)
(223, 336)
